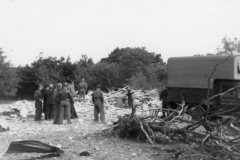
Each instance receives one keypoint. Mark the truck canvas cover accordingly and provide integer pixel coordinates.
(194, 72)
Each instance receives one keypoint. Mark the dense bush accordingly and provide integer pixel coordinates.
(126, 66)
(8, 77)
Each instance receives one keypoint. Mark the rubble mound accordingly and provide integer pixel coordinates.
(18, 109)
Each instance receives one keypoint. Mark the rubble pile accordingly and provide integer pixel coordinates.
(4, 126)
(17, 109)
(115, 104)
(214, 139)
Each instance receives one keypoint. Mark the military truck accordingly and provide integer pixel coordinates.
(193, 79)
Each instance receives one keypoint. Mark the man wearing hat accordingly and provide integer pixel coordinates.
(65, 97)
(49, 103)
(98, 100)
(38, 103)
(56, 103)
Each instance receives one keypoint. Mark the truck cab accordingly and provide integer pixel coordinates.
(195, 79)
(231, 97)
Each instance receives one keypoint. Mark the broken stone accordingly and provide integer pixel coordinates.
(4, 126)
(97, 148)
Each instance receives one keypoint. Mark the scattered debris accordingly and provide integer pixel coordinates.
(84, 153)
(4, 126)
(146, 125)
(19, 109)
(97, 148)
(30, 146)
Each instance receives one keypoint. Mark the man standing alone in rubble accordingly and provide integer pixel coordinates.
(82, 88)
(130, 97)
(130, 100)
(38, 103)
(98, 100)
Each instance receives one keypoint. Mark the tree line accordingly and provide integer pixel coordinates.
(123, 66)
(126, 66)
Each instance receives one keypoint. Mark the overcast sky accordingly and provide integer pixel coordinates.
(96, 27)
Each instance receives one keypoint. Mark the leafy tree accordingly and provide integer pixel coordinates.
(43, 71)
(114, 56)
(122, 66)
(67, 69)
(136, 62)
(85, 61)
(107, 75)
(153, 77)
(229, 47)
(8, 77)
(28, 83)
(48, 70)
(83, 70)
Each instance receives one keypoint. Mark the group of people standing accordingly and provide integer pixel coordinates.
(57, 102)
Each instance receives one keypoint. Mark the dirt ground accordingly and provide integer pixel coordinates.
(86, 135)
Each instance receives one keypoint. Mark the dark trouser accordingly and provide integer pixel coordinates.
(56, 112)
(44, 107)
(49, 109)
(130, 103)
(65, 105)
(82, 93)
(52, 112)
(98, 108)
(38, 112)
(73, 111)
(164, 106)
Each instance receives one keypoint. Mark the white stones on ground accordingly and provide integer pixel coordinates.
(85, 108)
(80, 121)
(134, 154)
(4, 125)
(97, 149)
(19, 108)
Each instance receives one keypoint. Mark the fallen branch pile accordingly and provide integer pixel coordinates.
(217, 139)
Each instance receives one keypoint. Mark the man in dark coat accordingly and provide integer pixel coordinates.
(98, 100)
(82, 88)
(49, 103)
(163, 96)
(130, 100)
(130, 97)
(65, 98)
(38, 104)
(56, 103)
(44, 91)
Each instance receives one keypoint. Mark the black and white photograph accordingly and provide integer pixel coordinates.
(119, 79)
